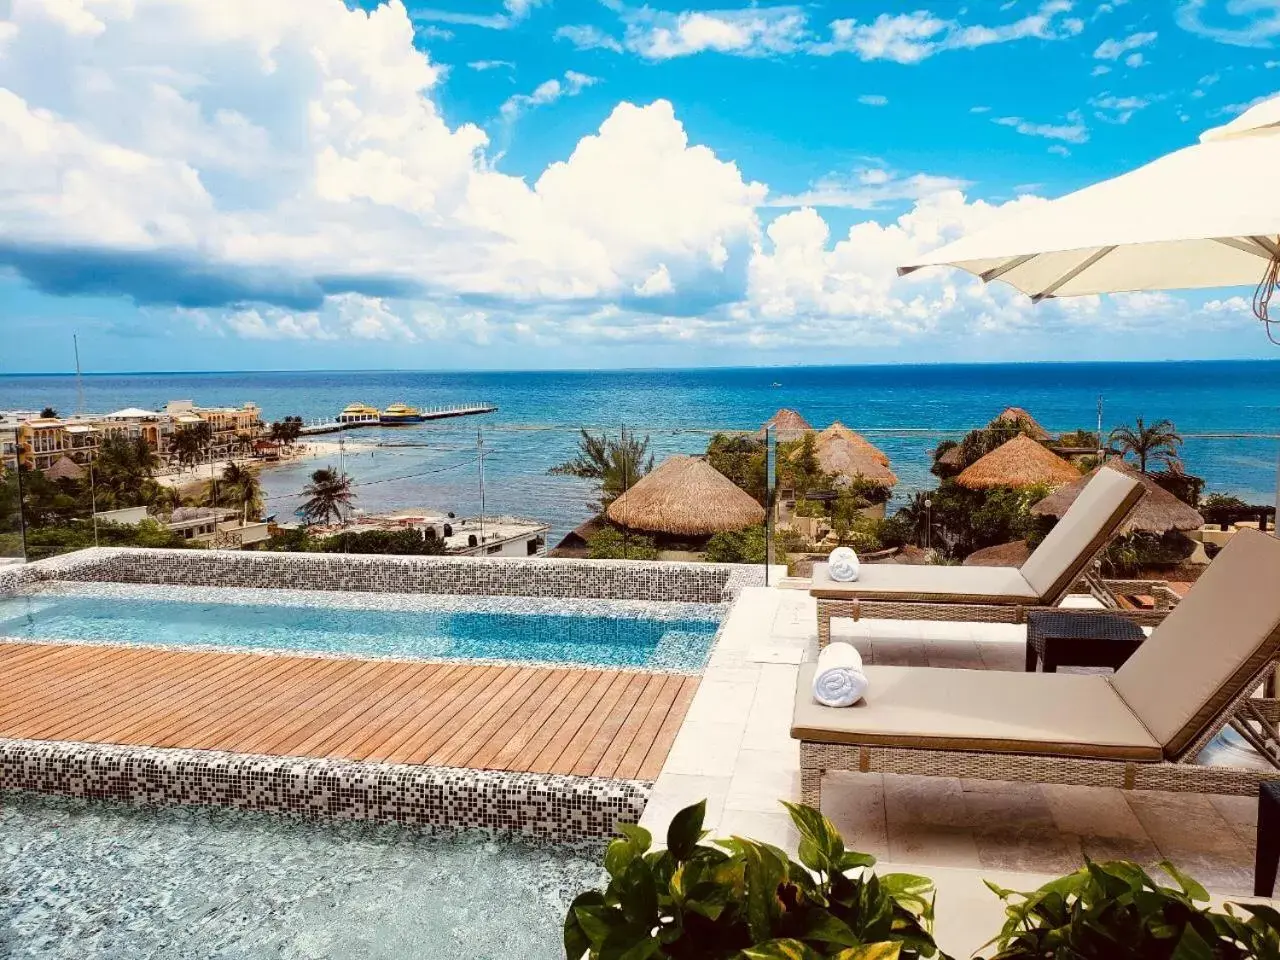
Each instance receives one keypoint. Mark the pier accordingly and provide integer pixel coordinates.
(315, 427)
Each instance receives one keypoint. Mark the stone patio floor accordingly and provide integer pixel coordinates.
(735, 751)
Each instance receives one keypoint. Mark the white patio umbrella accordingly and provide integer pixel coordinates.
(1204, 216)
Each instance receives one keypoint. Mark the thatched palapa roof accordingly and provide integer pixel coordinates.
(1159, 511)
(686, 496)
(1012, 554)
(575, 542)
(787, 425)
(1020, 462)
(844, 453)
(64, 468)
(1024, 420)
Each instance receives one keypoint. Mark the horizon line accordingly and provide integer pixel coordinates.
(675, 369)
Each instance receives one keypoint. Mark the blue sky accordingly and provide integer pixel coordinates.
(582, 183)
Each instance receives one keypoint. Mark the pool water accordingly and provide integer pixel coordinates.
(86, 879)
(599, 633)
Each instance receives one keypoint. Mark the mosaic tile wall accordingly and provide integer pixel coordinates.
(14, 576)
(604, 579)
(556, 808)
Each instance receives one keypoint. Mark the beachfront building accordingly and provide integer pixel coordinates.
(220, 527)
(233, 429)
(40, 442)
(500, 536)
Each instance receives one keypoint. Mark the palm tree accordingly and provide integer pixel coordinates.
(328, 494)
(925, 529)
(123, 470)
(615, 465)
(1158, 442)
(239, 487)
(49, 413)
(191, 444)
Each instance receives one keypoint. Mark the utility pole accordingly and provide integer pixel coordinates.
(1102, 449)
(480, 468)
(75, 344)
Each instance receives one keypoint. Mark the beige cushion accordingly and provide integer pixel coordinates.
(933, 584)
(1211, 645)
(1056, 714)
(1093, 519)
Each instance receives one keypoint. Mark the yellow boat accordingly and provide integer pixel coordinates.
(359, 413)
(399, 413)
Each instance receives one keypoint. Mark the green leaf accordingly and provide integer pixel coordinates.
(871, 951)
(598, 921)
(1190, 887)
(618, 856)
(852, 860)
(827, 928)
(1269, 916)
(762, 874)
(641, 837)
(827, 845)
(576, 941)
(780, 950)
(630, 943)
(638, 897)
(1191, 946)
(686, 830)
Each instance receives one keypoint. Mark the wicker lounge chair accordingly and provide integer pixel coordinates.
(1140, 729)
(1002, 594)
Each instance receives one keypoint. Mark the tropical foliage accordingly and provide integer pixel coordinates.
(408, 542)
(1109, 910)
(286, 431)
(238, 487)
(328, 497)
(961, 521)
(614, 463)
(744, 460)
(190, 444)
(746, 900)
(124, 472)
(54, 539)
(610, 543)
(737, 546)
(1158, 442)
(977, 444)
(49, 413)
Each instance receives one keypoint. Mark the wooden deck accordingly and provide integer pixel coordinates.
(593, 723)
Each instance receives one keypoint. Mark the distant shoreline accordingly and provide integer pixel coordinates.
(190, 477)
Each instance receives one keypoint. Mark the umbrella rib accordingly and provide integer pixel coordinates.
(1071, 274)
(1258, 246)
(996, 273)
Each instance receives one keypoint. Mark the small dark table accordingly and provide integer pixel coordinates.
(1080, 640)
(1268, 855)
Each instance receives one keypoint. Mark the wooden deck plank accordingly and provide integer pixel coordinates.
(628, 766)
(526, 723)
(548, 719)
(656, 755)
(569, 721)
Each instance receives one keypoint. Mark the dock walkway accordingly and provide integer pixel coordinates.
(541, 719)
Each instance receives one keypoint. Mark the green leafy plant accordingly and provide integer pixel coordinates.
(737, 546)
(747, 900)
(1110, 910)
(610, 543)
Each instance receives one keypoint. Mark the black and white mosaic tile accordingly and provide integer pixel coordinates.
(543, 806)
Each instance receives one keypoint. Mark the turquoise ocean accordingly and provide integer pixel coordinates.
(1228, 411)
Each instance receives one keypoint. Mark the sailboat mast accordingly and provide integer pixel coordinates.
(75, 343)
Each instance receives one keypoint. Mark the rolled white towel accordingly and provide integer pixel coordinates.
(843, 565)
(839, 680)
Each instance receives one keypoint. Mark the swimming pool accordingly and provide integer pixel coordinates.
(94, 879)
(610, 633)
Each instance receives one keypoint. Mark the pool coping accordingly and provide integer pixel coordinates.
(545, 807)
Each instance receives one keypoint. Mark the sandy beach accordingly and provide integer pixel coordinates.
(311, 450)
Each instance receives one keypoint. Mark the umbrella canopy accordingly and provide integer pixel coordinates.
(64, 468)
(1020, 462)
(1203, 216)
(787, 425)
(686, 496)
(1159, 511)
(844, 453)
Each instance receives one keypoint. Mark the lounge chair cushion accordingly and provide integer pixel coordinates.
(931, 584)
(1093, 519)
(923, 708)
(1210, 647)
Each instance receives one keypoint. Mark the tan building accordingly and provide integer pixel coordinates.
(234, 428)
(43, 441)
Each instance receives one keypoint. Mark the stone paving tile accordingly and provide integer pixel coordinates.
(1026, 847)
(1100, 812)
(938, 845)
(899, 653)
(1184, 822)
(1141, 851)
(706, 749)
(1022, 807)
(935, 801)
(673, 792)
(953, 654)
(855, 803)
(761, 779)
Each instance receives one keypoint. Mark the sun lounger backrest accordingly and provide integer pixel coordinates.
(1094, 518)
(1211, 646)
